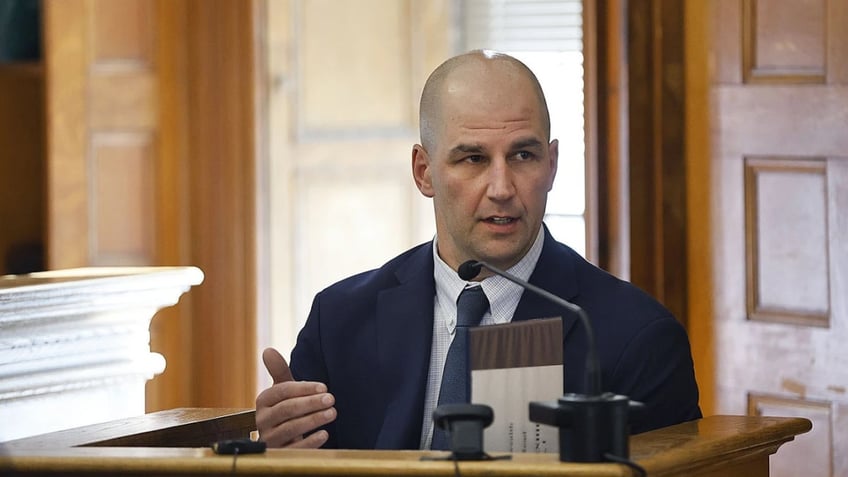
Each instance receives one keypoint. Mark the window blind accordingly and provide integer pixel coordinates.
(523, 25)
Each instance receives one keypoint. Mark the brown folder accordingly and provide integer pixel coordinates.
(517, 345)
(511, 365)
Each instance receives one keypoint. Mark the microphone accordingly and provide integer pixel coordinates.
(471, 269)
(592, 426)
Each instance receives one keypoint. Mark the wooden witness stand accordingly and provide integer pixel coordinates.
(176, 442)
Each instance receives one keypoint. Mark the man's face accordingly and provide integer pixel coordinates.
(490, 171)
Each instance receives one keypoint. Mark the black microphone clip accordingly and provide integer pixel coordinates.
(591, 425)
(464, 424)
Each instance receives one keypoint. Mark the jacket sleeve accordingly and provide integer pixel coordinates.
(656, 369)
(307, 359)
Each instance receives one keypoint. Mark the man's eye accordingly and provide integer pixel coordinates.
(524, 155)
(475, 159)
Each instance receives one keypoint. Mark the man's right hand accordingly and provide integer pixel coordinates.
(289, 409)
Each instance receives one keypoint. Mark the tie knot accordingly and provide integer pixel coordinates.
(471, 306)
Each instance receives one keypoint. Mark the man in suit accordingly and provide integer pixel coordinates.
(366, 371)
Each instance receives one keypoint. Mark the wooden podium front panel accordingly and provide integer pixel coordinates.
(714, 446)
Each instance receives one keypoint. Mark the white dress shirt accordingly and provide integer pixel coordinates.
(503, 296)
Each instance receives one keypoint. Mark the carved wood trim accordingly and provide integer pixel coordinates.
(753, 74)
(78, 339)
(755, 310)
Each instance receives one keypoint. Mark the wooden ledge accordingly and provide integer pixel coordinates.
(724, 446)
(181, 427)
(713, 442)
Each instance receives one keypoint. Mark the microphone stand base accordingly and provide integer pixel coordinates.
(590, 427)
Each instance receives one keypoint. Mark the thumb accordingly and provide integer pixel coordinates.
(276, 366)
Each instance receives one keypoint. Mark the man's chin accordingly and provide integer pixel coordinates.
(503, 259)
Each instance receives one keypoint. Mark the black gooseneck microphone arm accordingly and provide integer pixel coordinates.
(471, 269)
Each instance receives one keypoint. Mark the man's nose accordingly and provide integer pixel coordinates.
(501, 185)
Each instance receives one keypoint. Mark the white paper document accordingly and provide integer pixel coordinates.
(509, 391)
(511, 365)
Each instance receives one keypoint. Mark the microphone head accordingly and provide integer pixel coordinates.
(469, 269)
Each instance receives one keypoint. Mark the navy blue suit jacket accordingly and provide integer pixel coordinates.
(369, 337)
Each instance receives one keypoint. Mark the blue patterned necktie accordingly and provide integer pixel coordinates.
(456, 378)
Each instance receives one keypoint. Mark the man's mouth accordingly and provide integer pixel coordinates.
(501, 220)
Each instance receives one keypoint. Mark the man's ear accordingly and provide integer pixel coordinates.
(553, 156)
(421, 170)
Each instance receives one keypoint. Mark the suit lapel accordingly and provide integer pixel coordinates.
(404, 342)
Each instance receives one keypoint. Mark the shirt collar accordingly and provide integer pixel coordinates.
(503, 295)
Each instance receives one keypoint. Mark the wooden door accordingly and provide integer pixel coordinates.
(778, 219)
(150, 160)
(102, 129)
(344, 83)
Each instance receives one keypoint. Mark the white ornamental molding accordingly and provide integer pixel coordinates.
(79, 336)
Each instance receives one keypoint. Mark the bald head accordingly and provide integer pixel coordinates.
(469, 70)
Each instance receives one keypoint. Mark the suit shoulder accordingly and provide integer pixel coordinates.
(604, 294)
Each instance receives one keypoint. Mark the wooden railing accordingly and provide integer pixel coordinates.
(713, 446)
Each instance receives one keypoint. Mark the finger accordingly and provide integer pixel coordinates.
(289, 390)
(276, 366)
(294, 430)
(288, 410)
(312, 441)
(280, 421)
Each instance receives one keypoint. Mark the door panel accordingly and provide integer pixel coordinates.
(102, 107)
(779, 102)
(343, 106)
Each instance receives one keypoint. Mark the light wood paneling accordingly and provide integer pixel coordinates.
(150, 146)
(65, 53)
(122, 199)
(352, 83)
(784, 132)
(807, 451)
(837, 68)
(89, 91)
(784, 41)
(123, 32)
(123, 100)
(786, 234)
(221, 158)
(778, 171)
